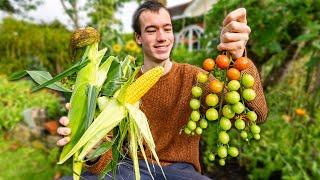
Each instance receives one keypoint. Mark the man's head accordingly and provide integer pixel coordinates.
(153, 31)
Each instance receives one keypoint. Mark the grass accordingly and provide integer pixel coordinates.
(28, 162)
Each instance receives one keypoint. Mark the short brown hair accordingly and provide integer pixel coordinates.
(151, 5)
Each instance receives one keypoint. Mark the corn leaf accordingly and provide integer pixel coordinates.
(68, 72)
(141, 122)
(140, 143)
(123, 129)
(133, 145)
(92, 94)
(76, 167)
(103, 71)
(17, 75)
(41, 77)
(112, 166)
(98, 136)
(113, 81)
(106, 121)
(104, 147)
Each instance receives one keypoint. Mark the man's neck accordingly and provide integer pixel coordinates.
(147, 65)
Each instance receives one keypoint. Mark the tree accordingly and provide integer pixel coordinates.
(72, 9)
(20, 7)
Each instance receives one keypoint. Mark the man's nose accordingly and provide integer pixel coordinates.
(161, 35)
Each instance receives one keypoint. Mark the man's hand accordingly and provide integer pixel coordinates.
(235, 33)
(64, 131)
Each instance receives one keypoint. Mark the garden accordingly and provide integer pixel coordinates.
(284, 45)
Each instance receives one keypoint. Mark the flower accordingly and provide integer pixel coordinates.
(300, 112)
(131, 46)
(116, 48)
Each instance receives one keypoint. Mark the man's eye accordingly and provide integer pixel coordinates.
(168, 30)
(151, 31)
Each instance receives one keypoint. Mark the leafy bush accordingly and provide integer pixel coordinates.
(29, 46)
(17, 96)
(181, 54)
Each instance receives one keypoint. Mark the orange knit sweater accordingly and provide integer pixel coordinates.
(166, 106)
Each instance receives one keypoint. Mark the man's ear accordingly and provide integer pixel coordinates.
(138, 38)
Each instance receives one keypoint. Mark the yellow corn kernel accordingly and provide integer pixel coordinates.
(142, 85)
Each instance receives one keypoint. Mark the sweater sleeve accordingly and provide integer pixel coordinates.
(97, 167)
(259, 104)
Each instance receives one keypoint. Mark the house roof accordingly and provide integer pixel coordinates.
(178, 9)
(191, 9)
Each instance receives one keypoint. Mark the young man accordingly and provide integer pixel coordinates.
(166, 105)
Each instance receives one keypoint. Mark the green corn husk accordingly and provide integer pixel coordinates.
(141, 130)
(85, 77)
(109, 118)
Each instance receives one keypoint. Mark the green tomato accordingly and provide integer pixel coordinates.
(212, 99)
(249, 94)
(195, 116)
(244, 134)
(233, 151)
(224, 137)
(191, 125)
(233, 85)
(238, 107)
(247, 80)
(225, 123)
(211, 157)
(196, 91)
(222, 152)
(240, 124)
(198, 130)
(227, 111)
(256, 136)
(255, 129)
(232, 97)
(212, 114)
(222, 162)
(194, 104)
(202, 77)
(203, 123)
(187, 131)
(252, 116)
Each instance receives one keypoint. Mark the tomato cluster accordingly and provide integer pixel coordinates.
(229, 92)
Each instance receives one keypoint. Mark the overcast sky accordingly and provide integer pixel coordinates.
(52, 10)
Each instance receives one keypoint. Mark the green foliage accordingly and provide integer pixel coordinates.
(29, 46)
(182, 55)
(28, 162)
(17, 96)
(289, 142)
(278, 27)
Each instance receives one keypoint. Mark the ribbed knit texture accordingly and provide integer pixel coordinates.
(166, 106)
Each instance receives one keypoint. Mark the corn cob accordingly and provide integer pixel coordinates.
(142, 85)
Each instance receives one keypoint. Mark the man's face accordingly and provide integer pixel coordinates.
(156, 35)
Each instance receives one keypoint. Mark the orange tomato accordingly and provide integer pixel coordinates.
(222, 61)
(241, 63)
(216, 86)
(208, 64)
(233, 74)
